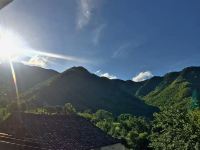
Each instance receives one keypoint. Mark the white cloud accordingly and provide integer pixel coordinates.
(142, 76)
(37, 60)
(97, 33)
(85, 8)
(107, 75)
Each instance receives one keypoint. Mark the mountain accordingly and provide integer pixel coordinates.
(173, 88)
(26, 77)
(85, 90)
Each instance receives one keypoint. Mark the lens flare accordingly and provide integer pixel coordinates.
(11, 44)
(13, 47)
(57, 56)
(14, 79)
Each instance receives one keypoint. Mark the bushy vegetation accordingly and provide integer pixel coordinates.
(174, 93)
(174, 127)
(134, 130)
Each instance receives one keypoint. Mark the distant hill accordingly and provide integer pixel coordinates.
(89, 91)
(27, 77)
(173, 88)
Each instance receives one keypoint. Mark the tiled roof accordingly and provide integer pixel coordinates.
(60, 132)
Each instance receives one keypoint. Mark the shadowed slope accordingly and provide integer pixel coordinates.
(88, 91)
(27, 77)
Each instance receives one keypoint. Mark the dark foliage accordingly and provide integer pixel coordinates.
(88, 91)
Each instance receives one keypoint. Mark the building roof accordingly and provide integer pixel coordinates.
(4, 2)
(66, 132)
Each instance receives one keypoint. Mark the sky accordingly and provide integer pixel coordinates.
(126, 39)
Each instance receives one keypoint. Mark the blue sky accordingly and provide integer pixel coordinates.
(116, 38)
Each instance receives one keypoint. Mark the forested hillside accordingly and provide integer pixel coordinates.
(174, 88)
(26, 77)
(89, 91)
(122, 109)
(85, 90)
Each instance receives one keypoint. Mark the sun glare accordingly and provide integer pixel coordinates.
(14, 48)
(11, 44)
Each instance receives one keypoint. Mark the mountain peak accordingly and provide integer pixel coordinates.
(192, 68)
(78, 70)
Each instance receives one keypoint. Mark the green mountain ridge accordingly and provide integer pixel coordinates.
(85, 90)
(26, 77)
(175, 87)
(89, 91)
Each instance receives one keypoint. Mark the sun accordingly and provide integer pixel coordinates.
(7, 50)
(11, 44)
(14, 48)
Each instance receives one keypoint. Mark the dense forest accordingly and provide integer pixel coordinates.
(174, 127)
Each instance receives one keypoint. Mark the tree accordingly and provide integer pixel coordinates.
(134, 130)
(105, 125)
(69, 108)
(103, 115)
(175, 128)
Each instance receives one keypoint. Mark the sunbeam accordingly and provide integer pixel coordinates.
(13, 46)
(57, 56)
(14, 79)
